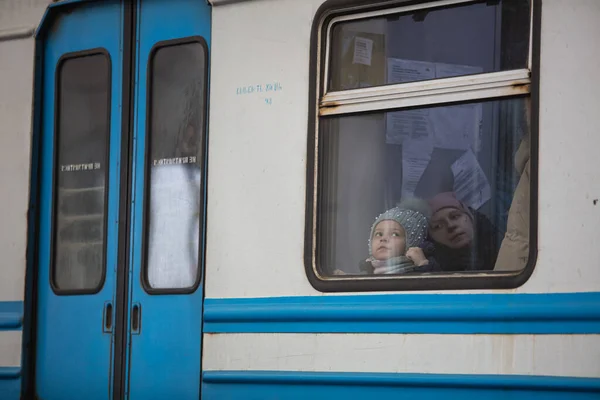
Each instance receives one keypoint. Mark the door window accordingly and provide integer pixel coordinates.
(82, 134)
(177, 79)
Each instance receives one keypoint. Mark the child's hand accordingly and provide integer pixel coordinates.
(338, 272)
(417, 256)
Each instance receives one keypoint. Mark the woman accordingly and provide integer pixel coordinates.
(464, 239)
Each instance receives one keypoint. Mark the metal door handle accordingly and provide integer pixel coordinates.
(107, 318)
(136, 318)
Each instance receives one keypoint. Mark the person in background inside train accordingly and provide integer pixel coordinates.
(514, 250)
(397, 239)
(463, 238)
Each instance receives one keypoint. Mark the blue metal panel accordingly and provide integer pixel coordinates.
(11, 315)
(47, 19)
(10, 383)
(73, 357)
(560, 313)
(224, 385)
(164, 357)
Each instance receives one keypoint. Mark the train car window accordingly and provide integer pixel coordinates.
(82, 135)
(428, 42)
(424, 185)
(177, 85)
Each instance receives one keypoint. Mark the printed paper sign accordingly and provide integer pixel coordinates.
(470, 183)
(456, 127)
(416, 154)
(404, 125)
(363, 50)
(400, 71)
(451, 127)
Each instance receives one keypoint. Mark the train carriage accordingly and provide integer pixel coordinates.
(265, 199)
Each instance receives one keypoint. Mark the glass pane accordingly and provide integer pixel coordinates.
(176, 134)
(429, 44)
(82, 154)
(453, 170)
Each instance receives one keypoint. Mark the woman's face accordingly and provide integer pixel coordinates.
(388, 240)
(452, 228)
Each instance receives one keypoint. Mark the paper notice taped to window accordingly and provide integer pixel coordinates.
(470, 183)
(409, 124)
(453, 127)
(416, 154)
(449, 70)
(402, 125)
(400, 71)
(457, 127)
(363, 51)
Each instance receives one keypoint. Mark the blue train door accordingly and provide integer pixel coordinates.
(79, 202)
(122, 172)
(168, 191)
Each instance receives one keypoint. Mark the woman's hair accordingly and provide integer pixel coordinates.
(447, 200)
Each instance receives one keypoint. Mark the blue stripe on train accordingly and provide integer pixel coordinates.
(557, 313)
(10, 383)
(11, 319)
(224, 385)
(11, 315)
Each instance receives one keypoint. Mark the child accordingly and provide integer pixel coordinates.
(396, 241)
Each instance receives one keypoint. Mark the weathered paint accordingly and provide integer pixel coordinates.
(547, 355)
(18, 19)
(268, 192)
(266, 195)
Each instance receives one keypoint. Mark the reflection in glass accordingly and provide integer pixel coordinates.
(82, 138)
(371, 162)
(175, 133)
(430, 44)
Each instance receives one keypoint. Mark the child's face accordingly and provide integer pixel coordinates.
(388, 240)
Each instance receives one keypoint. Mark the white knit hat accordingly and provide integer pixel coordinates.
(412, 215)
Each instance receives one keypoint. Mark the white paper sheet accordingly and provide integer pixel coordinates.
(399, 71)
(456, 127)
(452, 127)
(416, 154)
(409, 124)
(363, 51)
(470, 183)
(448, 70)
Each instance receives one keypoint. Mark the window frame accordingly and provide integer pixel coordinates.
(145, 282)
(443, 91)
(55, 154)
